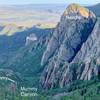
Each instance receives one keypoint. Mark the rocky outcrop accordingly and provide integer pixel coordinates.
(74, 39)
(31, 38)
(71, 32)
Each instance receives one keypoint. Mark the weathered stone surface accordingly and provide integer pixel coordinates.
(31, 39)
(73, 41)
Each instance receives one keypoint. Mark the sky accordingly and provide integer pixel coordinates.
(6, 2)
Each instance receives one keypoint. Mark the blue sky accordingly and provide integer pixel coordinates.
(48, 1)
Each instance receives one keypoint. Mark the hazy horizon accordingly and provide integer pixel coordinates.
(43, 2)
(51, 4)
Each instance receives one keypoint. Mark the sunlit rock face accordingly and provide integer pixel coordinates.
(78, 10)
(72, 32)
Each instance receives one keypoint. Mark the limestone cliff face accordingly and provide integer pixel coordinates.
(67, 45)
